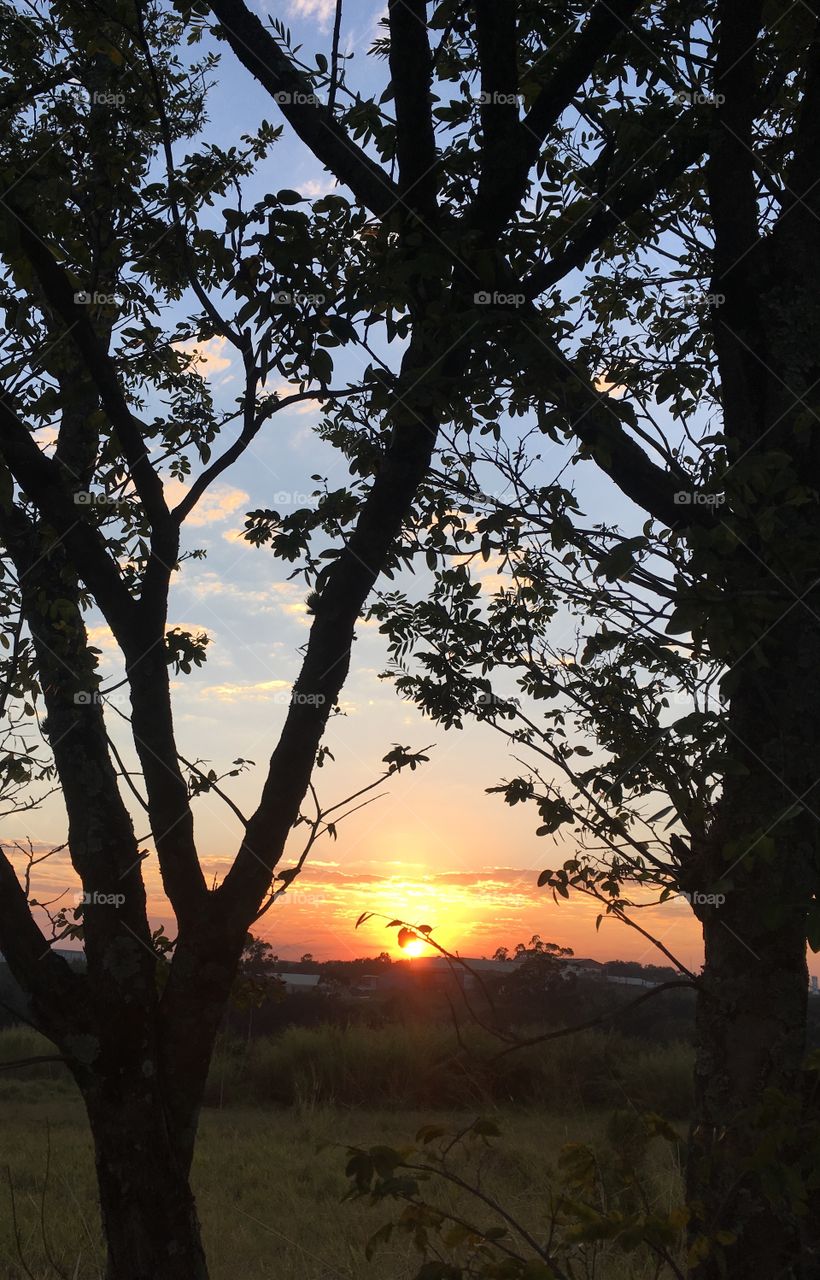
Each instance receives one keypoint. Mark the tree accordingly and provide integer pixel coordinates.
(695, 635)
(104, 242)
(465, 222)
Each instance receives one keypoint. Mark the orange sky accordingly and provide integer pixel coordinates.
(471, 911)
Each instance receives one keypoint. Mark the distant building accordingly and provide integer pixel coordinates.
(595, 969)
(468, 973)
(582, 968)
(813, 987)
(296, 982)
(370, 984)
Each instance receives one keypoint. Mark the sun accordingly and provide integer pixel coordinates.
(414, 948)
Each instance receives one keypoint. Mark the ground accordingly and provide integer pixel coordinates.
(271, 1205)
(269, 1182)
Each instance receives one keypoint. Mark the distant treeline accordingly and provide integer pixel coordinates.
(526, 998)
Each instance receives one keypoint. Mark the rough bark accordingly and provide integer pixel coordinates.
(751, 1038)
(751, 1142)
(148, 1211)
(747, 1164)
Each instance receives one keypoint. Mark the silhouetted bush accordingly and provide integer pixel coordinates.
(424, 1067)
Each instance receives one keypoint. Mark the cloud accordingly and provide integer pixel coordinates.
(242, 692)
(483, 876)
(215, 505)
(296, 609)
(315, 187)
(285, 389)
(46, 437)
(320, 10)
(102, 638)
(195, 628)
(208, 585)
(205, 358)
(615, 390)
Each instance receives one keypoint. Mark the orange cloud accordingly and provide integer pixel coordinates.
(204, 358)
(215, 505)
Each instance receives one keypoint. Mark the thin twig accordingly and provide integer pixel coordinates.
(334, 59)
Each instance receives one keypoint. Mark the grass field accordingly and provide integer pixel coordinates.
(270, 1202)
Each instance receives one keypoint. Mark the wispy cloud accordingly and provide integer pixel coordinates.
(264, 689)
(321, 11)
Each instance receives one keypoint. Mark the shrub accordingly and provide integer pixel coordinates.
(423, 1066)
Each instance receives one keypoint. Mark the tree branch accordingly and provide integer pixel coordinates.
(497, 42)
(42, 480)
(348, 583)
(411, 69)
(617, 1012)
(60, 295)
(243, 440)
(503, 192)
(803, 180)
(684, 145)
(594, 420)
(733, 201)
(55, 990)
(259, 52)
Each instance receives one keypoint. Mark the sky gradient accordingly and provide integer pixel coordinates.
(434, 847)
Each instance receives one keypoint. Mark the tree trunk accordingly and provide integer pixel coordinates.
(148, 1212)
(143, 1093)
(753, 1141)
(745, 1184)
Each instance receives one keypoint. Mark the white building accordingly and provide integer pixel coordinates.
(295, 982)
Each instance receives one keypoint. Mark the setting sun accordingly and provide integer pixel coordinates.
(414, 947)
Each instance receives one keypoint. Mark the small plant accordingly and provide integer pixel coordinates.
(595, 1205)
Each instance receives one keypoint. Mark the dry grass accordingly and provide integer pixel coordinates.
(270, 1203)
